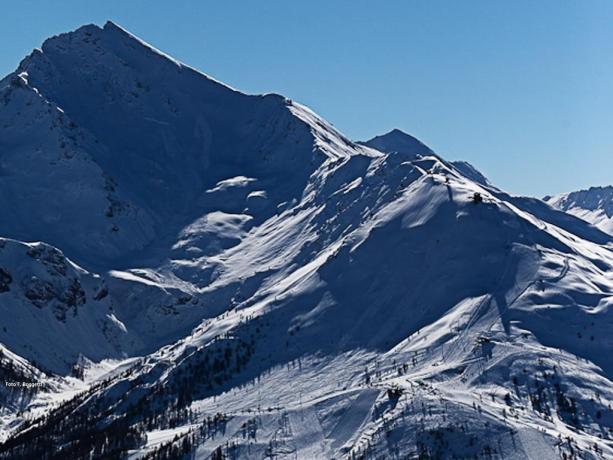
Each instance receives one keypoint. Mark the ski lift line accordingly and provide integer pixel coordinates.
(563, 272)
(558, 277)
(455, 231)
(488, 299)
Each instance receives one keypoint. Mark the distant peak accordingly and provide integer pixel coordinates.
(111, 25)
(398, 132)
(594, 191)
(397, 141)
(594, 204)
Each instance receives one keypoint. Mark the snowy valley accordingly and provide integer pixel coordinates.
(187, 271)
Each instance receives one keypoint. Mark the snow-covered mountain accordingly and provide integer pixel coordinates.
(399, 142)
(594, 205)
(187, 271)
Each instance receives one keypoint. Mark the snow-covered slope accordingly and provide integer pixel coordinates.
(471, 172)
(594, 205)
(399, 142)
(137, 139)
(283, 291)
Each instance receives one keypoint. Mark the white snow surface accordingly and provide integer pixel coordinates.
(388, 314)
(594, 205)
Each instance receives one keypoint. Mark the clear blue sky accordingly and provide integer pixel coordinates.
(522, 89)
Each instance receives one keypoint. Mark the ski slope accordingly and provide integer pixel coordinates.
(198, 272)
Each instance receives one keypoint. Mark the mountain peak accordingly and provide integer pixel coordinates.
(112, 28)
(397, 141)
(241, 243)
(398, 135)
(112, 25)
(594, 205)
(398, 132)
(151, 134)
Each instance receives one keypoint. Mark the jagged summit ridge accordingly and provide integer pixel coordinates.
(161, 134)
(592, 199)
(594, 205)
(110, 33)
